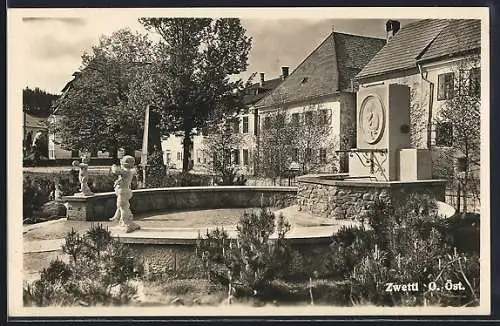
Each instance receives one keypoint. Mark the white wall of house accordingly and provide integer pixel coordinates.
(55, 149)
(333, 108)
(172, 151)
(334, 112)
(433, 72)
(248, 147)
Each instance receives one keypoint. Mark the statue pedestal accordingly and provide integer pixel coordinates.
(78, 207)
(90, 208)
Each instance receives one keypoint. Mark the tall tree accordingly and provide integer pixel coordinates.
(276, 145)
(38, 102)
(220, 144)
(97, 111)
(458, 130)
(195, 58)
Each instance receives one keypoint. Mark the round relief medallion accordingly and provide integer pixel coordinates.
(371, 119)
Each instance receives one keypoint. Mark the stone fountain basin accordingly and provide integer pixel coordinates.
(101, 206)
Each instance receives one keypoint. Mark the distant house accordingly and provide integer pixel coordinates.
(324, 83)
(55, 149)
(34, 127)
(426, 55)
(247, 124)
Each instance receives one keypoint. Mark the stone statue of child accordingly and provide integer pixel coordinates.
(83, 176)
(125, 172)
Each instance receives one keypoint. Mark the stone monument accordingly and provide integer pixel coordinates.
(383, 148)
(125, 172)
(382, 166)
(83, 176)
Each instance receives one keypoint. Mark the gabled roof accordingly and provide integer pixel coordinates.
(256, 91)
(459, 36)
(327, 70)
(424, 39)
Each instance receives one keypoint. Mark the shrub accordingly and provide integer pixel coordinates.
(349, 245)
(185, 179)
(156, 170)
(38, 187)
(407, 243)
(253, 260)
(36, 192)
(100, 271)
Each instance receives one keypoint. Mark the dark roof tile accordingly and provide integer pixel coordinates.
(327, 69)
(424, 39)
(459, 36)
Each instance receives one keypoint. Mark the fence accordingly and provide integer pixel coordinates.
(284, 182)
(473, 202)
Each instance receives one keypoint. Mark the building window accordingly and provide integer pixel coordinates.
(245, 125)
(295, 154)
(227, 157)
(445, 86)
(267, 122)
(322, 155)
(236, 126)
(444, 134)
(236, 157)
(475, 82)
(179, 156)
(198, 156)
(295, 119)
(324, 117)
(308, 117)
(308, 154)
(245, 157)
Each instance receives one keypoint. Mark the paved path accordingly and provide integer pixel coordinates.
(42, 245)
(49, 236)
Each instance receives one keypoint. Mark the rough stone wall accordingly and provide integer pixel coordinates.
(354, 202)
(181, 261)
(167, 261)
(337, 202)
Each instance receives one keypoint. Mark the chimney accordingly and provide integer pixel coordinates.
(392, 27)
(284, 72)
(262, 79)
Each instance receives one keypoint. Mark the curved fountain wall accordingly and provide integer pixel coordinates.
(101, 206)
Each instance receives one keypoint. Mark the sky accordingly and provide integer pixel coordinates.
(53, 46)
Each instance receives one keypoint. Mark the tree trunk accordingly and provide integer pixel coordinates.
(186, 143)
(113, 148)
(464, 191)
(459, 196)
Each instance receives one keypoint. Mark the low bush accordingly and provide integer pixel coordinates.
(38, 190)
(407, 244)
(249, 263)
(99, 271)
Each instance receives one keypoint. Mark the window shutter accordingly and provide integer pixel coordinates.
(450, 86)
(441, 83)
